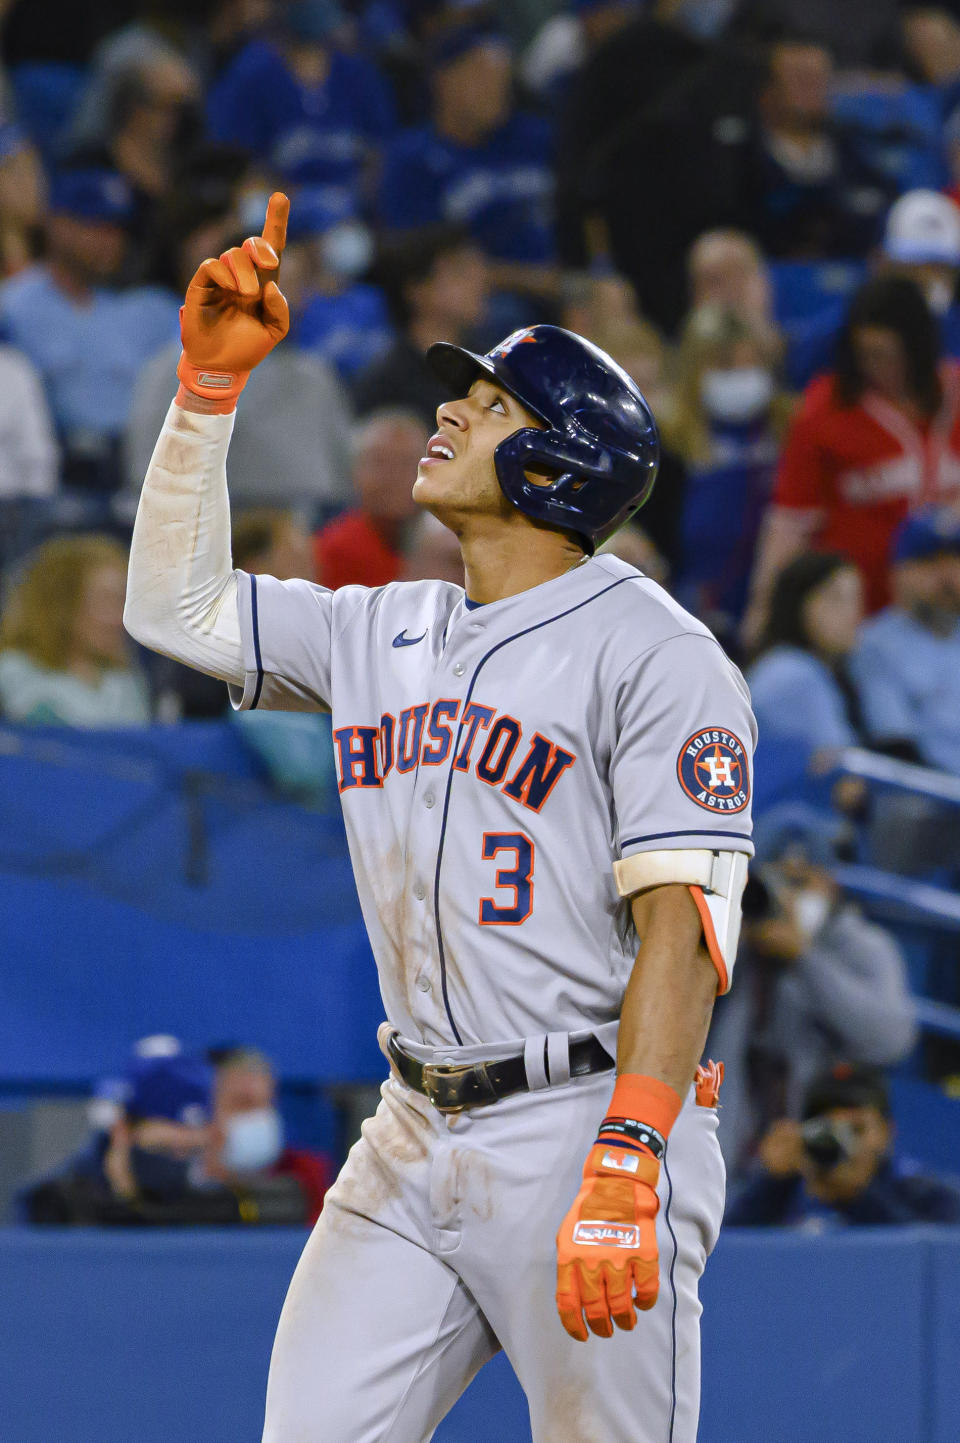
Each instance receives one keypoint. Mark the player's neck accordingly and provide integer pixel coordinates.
(499, 562)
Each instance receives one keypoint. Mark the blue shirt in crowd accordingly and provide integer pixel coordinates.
(796, 696)
(88, 352)
(349, 331)
(502, 190)
(908, 679)
(724, 502)
(317, 134)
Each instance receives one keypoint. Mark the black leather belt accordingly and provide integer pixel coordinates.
(452, 1087)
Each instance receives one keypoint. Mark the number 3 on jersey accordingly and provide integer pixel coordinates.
(518, 878)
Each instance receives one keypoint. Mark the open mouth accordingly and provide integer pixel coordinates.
(438, 450)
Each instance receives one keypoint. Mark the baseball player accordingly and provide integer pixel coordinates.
(545, 780)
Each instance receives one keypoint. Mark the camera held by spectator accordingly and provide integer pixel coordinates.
(839, 1163)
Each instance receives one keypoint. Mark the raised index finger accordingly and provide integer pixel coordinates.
(275, 225)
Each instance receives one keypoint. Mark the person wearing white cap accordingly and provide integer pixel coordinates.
(921, 240)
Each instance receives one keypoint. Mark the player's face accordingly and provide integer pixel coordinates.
(456, 478)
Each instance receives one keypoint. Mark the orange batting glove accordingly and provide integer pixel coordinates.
(607, 1262)
(235, 313)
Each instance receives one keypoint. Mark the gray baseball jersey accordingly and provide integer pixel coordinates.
(493, 763)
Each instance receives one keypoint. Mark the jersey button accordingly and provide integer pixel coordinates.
(429, 800)
(419, 891)
(423, 982)
(459, 668)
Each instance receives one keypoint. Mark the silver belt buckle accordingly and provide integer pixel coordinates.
(430, 1075)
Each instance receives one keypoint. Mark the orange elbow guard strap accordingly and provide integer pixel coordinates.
(220, 388)
(641, 1113)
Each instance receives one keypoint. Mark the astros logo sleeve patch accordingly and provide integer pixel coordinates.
(712, 770)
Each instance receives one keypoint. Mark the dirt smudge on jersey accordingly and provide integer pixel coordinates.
(566, 1416)
(392, 1142)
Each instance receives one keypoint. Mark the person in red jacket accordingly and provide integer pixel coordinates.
(249, 1129)
(364, 546)
(874, 439)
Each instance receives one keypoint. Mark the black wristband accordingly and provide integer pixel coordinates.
(626, 1131)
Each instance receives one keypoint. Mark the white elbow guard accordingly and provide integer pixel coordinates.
(716, 880)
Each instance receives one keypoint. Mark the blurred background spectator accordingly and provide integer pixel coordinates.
(335, 315)
(253, 1148)
(29, 457)
(802, 694)
(64, 654)
(907, 660)
(23, 196)
(145, 1167)
(290, 446)
(921, 242)
(730, 415)
(818, 984)
(839, 1164)
(872, 441)
(363, 546)
(86, 338)
(431, 552)
(301, 104)
(294, 748)
(435, 281)
(726, 269)
(480, 162)
(608, 314)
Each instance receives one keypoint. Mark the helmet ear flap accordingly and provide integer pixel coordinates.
(569, 461)
(553, 453)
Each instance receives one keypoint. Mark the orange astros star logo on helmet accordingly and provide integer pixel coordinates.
(519, 338)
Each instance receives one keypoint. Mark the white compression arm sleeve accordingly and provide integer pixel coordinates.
(181, 588)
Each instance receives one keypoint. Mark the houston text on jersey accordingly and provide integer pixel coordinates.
(423, 736)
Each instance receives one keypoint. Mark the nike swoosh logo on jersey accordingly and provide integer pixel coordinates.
(402, 639)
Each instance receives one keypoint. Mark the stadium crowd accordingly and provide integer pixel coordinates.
(753, 205)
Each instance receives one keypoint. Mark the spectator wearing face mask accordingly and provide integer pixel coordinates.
(840, 1165)
(364, 545)
(65, 658)
(146, 1167)
(874, 440)
(921, 242)
(340, 317)
(906, 664)
(818, 983)
(253, 1150)
(729, 420)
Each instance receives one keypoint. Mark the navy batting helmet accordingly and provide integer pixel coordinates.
(600, 445)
